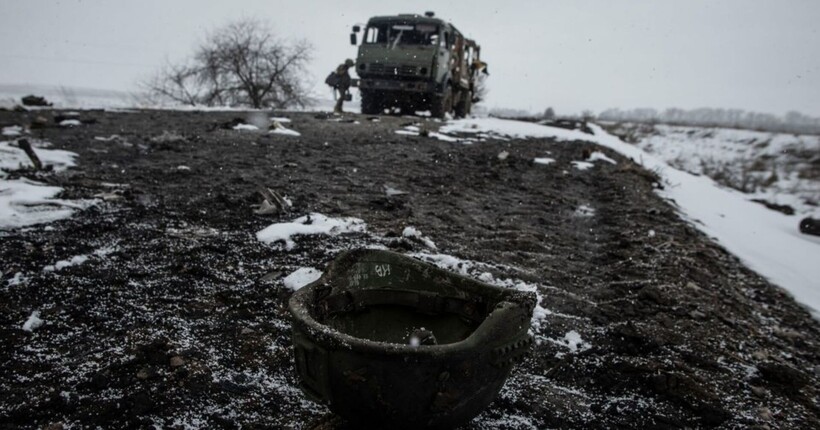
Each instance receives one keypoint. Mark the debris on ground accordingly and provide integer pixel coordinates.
(32, 100)
(810, 225)
(272, 203)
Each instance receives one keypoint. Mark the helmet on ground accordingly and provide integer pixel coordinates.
(388, 341)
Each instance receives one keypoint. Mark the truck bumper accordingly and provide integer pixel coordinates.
(394, 85)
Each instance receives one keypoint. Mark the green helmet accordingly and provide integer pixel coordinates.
(349, 62)
(388, 341)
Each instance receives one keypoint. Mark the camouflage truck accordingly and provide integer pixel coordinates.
(416, 62)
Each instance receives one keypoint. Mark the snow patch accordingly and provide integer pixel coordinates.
(62, 264)
(495, 127)
(543, 160)
(584, 211)
(412, 232)
(301, 277)
(17, 279)
(281, 129)
(312, 224)
(33, 322)
(600, 156)
(12, 130)
(246, 127)
(574, 342)
(70, 123)
(13, 158)
(24, 202)
(582, 165)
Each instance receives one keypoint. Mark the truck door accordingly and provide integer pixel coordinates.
(460, 69)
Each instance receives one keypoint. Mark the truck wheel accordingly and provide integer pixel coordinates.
(442, 104)
(461, 108)
(371, 103)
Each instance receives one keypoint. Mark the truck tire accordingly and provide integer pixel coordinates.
(464, 104)
(443, 104)
(371, 103)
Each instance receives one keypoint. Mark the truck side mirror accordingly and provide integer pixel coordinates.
(353, 39)
(356, 29)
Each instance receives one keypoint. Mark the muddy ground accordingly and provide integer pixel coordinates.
(179, 318)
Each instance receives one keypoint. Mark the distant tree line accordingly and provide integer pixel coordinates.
(792, 122)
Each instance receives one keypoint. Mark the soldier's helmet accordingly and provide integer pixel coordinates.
(349, 62)
(387, 341)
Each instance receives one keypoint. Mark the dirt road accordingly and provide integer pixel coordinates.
(178, 315)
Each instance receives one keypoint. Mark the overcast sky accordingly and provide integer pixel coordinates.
(572, 55)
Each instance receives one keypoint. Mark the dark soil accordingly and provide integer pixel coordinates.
(184, 321)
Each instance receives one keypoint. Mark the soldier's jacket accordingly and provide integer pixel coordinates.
(342, 77)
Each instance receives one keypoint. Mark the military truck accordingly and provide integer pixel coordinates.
(416, 62)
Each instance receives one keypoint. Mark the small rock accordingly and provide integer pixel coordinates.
(810, 226)
(143, 374)
(38, 122)
(765, 413)
(696, 314)
(271, 276)
(758, 391)
(177, 361)
(760, 355)
(503, 155)
(247, 330)
(787, 333)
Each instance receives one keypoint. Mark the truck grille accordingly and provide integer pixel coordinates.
(389, 69)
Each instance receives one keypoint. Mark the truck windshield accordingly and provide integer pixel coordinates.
(401, 34)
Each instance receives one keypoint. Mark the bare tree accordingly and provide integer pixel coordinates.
(178, 83)
(241, 64)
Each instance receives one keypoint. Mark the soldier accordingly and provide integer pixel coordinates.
(342, 84)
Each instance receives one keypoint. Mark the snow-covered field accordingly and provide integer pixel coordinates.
(776, 167)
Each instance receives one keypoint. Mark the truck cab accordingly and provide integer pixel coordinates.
(416, 62)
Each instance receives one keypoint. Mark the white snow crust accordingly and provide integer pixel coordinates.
(301, 277)
(246, 127)
(33, 322)
(24, 202)
(280, 129)
(62, 264)
(70, 123)
(312, 224)
(413, 232)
